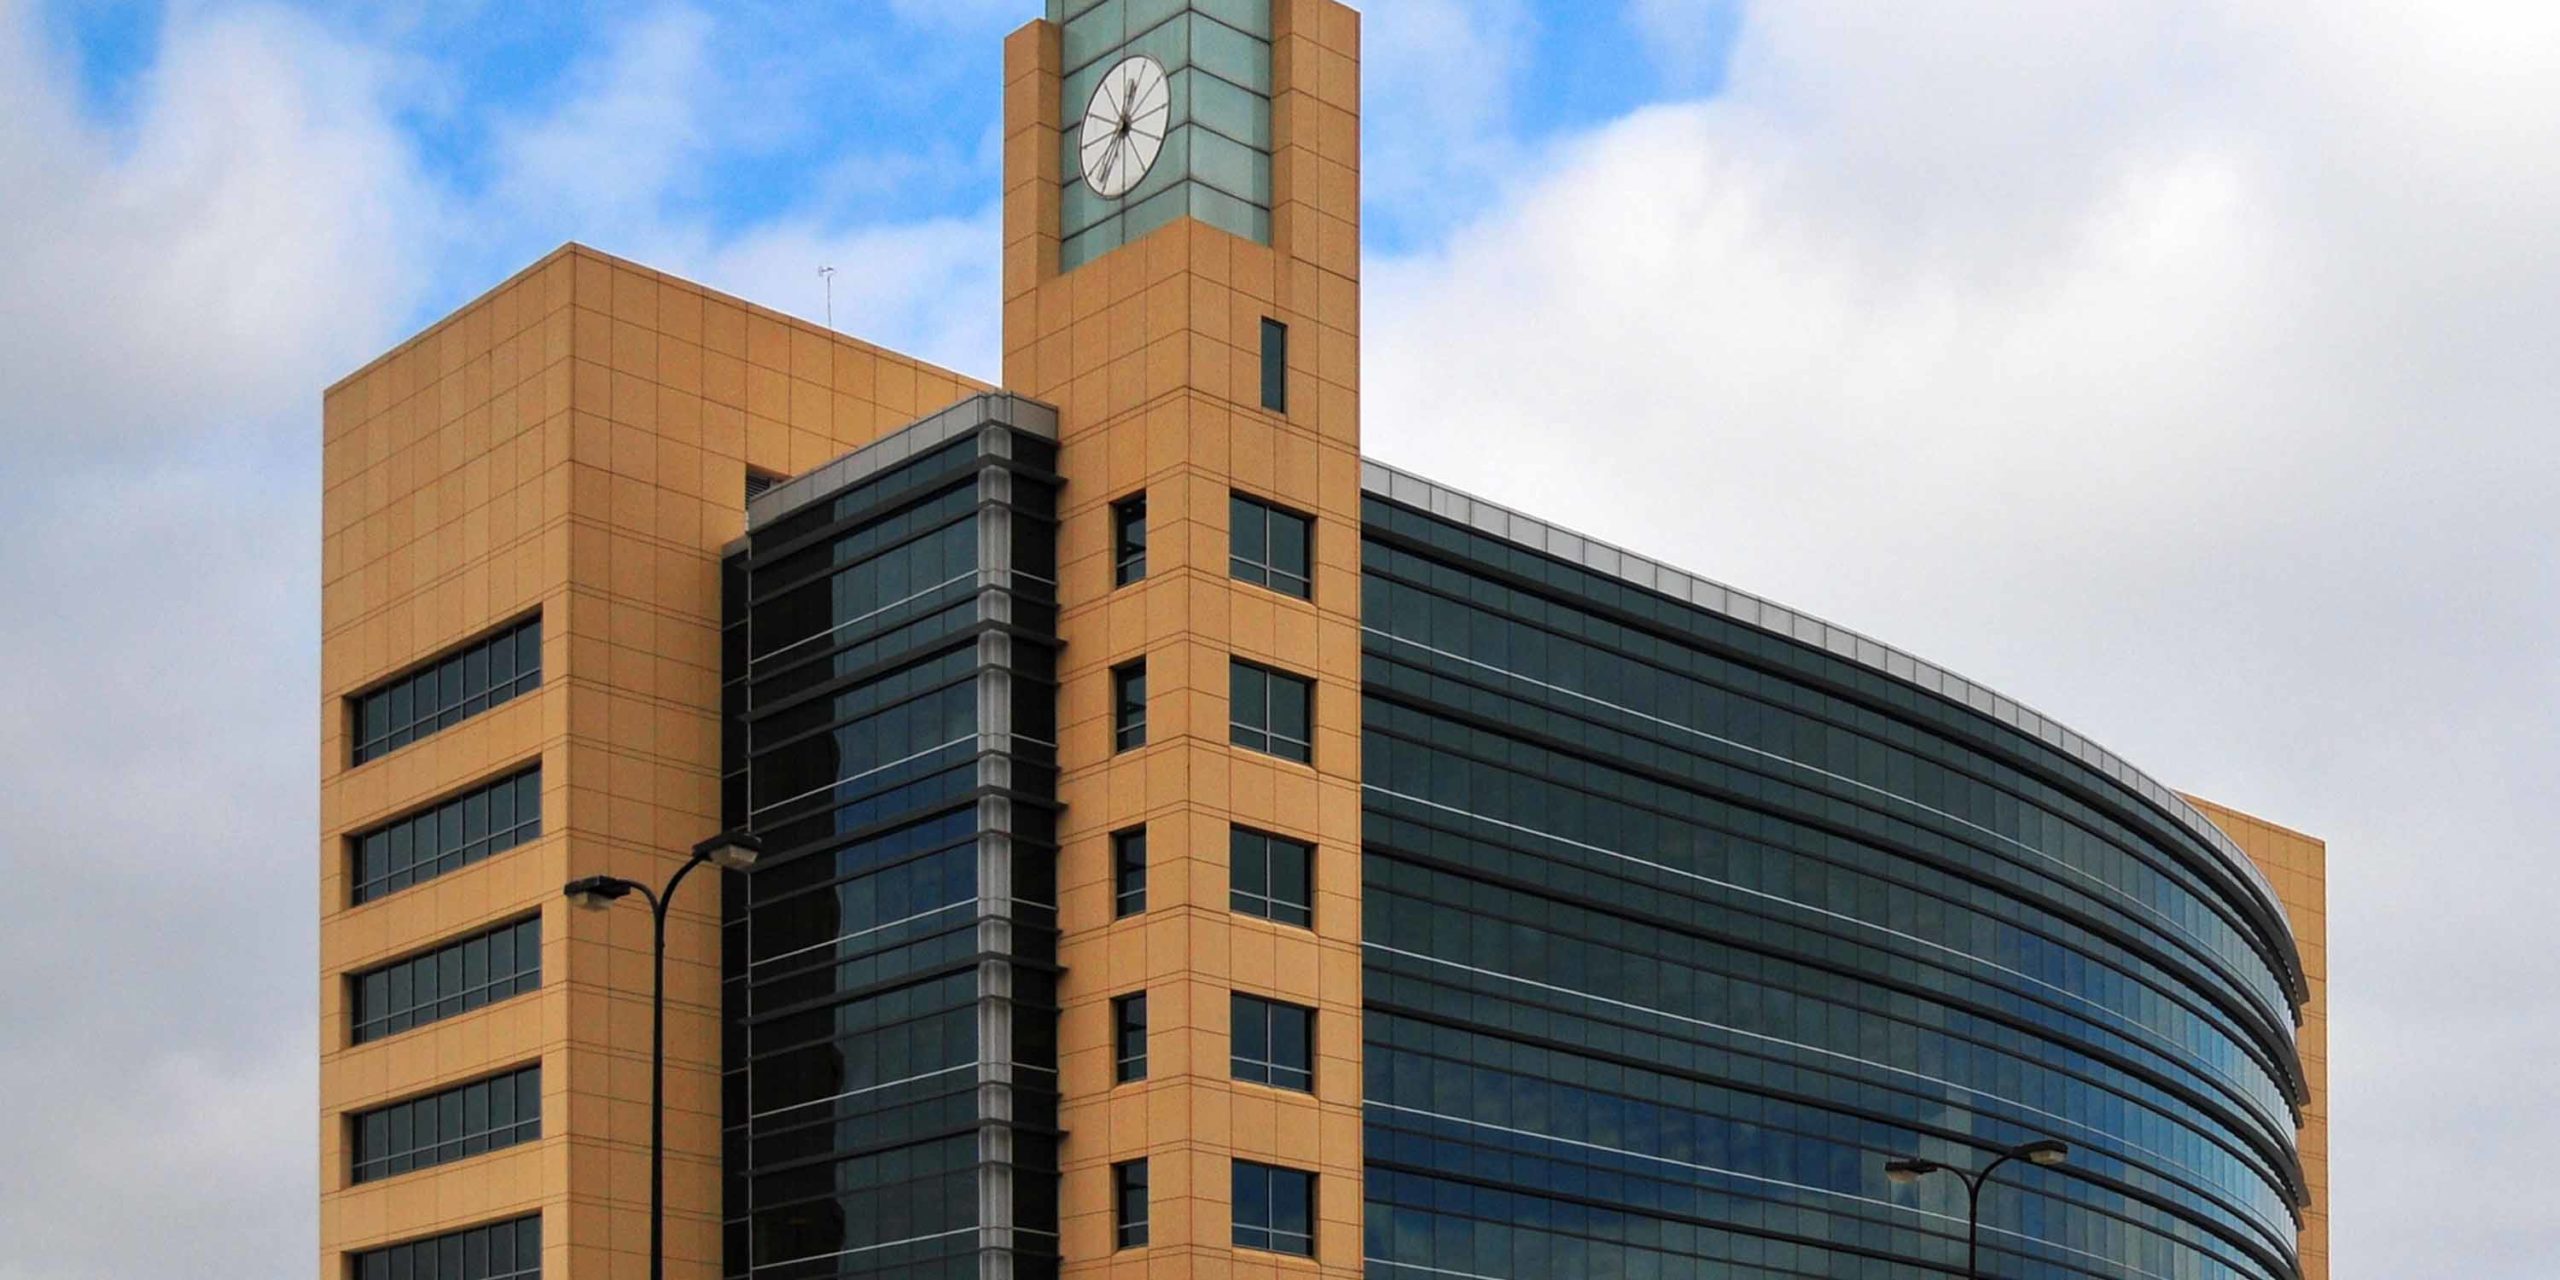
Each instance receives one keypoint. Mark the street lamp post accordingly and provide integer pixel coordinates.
(1904, 1171)
(730, 851)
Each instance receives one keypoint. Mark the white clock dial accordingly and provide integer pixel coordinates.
(1124, 126)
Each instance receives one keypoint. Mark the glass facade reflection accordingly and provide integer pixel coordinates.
(890, 963)
(1676, 928)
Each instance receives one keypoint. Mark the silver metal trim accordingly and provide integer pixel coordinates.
(1403, 487)
(925, 434)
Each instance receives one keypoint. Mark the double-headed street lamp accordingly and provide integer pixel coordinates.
(2047, 1152)
(729, 851)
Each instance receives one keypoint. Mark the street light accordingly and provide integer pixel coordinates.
(729, 851)
(1902, 1172)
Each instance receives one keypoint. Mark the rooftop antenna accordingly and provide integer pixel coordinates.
(828, 274)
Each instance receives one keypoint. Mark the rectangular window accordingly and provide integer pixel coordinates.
(1129, 1037)
(1271, 876)
(1128, 539)
(453, 979)
(480, 822)
(1275, 365)
(1129, 1203)
(1129, 871)
(498, 1251)
(1271, 711)
(1129, 705)
(1275, 1209)
(1273, 1044)
(1270, 547)
(440, 1128)
(463, 684)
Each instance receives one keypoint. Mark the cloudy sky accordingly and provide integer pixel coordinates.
(2185, 368)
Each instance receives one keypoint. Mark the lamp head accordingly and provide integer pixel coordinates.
(730, 850)
(595, 893)
(2047, 1152)
(1904, 1172)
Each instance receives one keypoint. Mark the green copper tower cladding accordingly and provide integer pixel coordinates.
(1214, 162)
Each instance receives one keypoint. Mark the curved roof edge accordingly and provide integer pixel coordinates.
(1496, 520)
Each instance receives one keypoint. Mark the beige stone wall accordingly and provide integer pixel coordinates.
(1152, 355)
(575, 442)
(2298, 866)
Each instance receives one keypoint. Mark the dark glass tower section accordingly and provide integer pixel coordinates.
(890, 964)
(1679, 920)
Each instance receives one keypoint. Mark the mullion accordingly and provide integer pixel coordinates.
(447, 691)
(423, 1132)
(404, 852)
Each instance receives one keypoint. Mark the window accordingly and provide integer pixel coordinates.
(760, 482)
(1129, 1203)
(456, 1124)
(1275, 366)
(499, 1251)
(454, 979)
(445, 693)
(1128, 539)
(1129, 705)
(1274, 1044)
(1129, 1037)
(1270, 711)
(1271, 877)
(1269, 547)
(1129, 871)
(448, 837)
(1275, 1209)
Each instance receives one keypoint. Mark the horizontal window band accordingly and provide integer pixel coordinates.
(1822, 670)
(2232, 997)
(2178, 1056)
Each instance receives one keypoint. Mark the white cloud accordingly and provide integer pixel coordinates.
(250, 236)
(1683, 36)
(2181, 367)
(1438, 84)
(180, 290)
(931, 289)
(627, 136)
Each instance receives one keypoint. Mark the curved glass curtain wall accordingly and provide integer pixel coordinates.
(1676, 929)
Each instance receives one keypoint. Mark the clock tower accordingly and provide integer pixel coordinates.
(1182, 281)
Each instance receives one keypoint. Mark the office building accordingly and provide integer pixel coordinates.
(1191, 848)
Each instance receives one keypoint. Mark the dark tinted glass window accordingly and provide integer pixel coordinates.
(1129, 705)
(1274, 1044)
(1129, 871)
(1128, 540)
(1275, 366)
(1275, 1209)
(452, 979)
(1270, 547)
(1129, 1203)
(1129, 1037)
(440, 1128)
(499, 1251)
(448, 692)
(1271, 711)
(1271, 876)
(448, 837)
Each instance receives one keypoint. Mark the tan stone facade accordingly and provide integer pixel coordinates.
(1151, 354)
(574, 443)
(2298, 866)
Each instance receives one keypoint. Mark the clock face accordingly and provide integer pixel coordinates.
(1124, 126)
